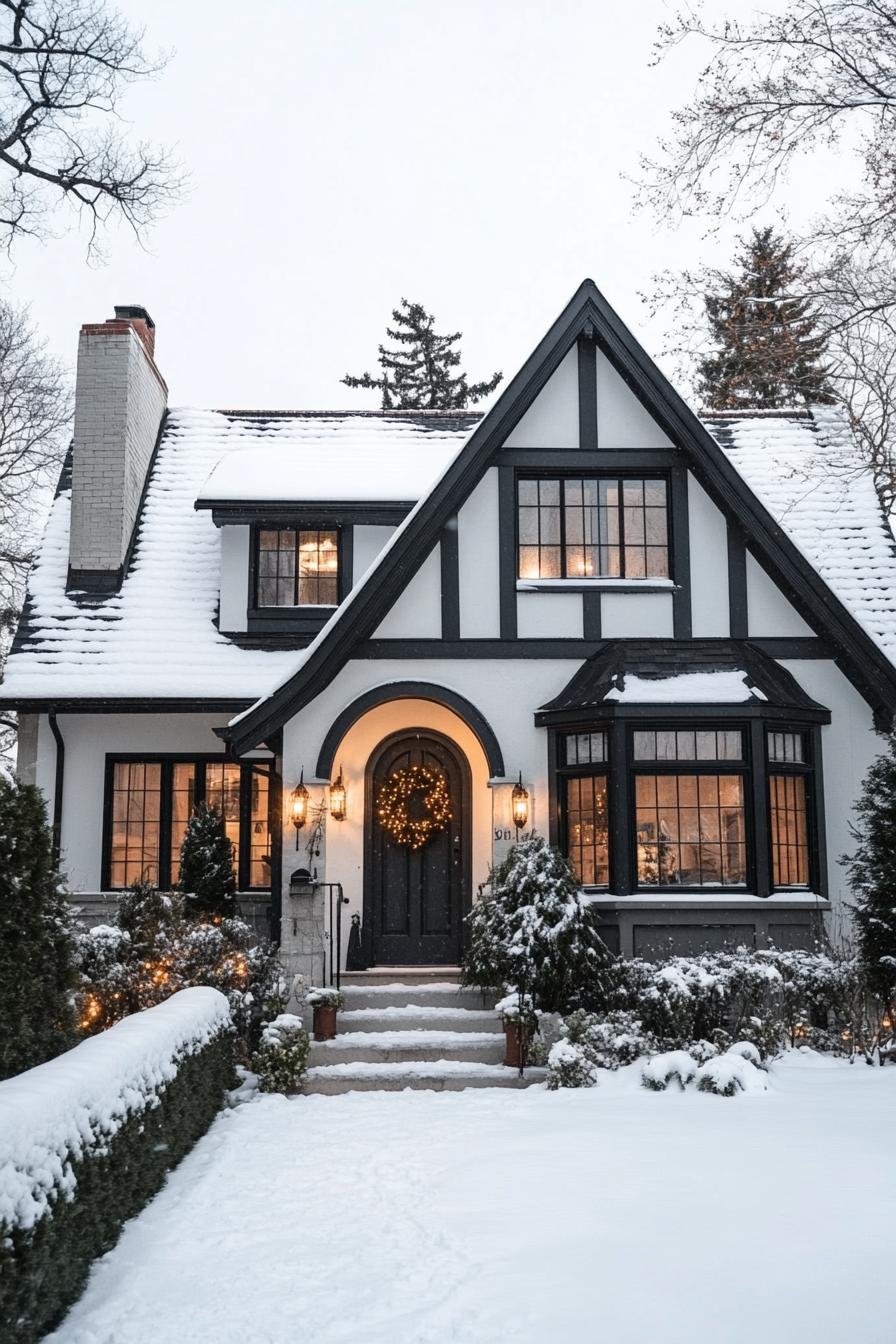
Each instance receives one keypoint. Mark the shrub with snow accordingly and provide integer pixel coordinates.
(324, 998)
(569, 1065)
(282, 1056)
(538, 930)
(746, 1050)
(729, 1074)
(673, 1065)
(87, 1139)
(206, 865)
(38, 968)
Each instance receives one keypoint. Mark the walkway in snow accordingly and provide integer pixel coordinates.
(521, 1218)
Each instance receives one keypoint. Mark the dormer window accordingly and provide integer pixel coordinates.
(297, 567)
(574, 527)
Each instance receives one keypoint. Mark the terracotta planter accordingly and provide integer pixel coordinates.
(324, 1021)
(516, 1045)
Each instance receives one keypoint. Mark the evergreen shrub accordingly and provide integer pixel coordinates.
(282, 1056)
(103, 1162)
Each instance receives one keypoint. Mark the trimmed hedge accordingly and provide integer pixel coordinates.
(43, 1269)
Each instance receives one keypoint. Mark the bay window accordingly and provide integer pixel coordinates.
(150, 801)
(583, 771)
(789, 770)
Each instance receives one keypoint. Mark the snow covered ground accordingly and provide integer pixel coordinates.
(497, 1217)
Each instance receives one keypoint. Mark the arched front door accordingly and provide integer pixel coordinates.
(415, 898)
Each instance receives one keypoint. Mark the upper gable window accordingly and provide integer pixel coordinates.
(297, 567)
(573, 527)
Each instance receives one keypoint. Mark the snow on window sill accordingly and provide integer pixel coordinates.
(706, 898)
(589, 585)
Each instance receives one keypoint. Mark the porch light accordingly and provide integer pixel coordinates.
(337, 797)
(299, 806)
(520, 804)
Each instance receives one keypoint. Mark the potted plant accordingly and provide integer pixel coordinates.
(326, 1003)
(520, 1020)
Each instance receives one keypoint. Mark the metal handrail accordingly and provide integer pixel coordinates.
(332, 969)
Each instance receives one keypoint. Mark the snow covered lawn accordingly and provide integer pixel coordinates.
(522, 1217)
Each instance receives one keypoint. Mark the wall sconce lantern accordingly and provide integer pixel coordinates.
(299, 806)
(520, 804)
(337, 797)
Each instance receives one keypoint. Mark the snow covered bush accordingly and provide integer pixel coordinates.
(38, 968)
(729, 1074)
(324, 998)
(657, 1073)
(569, 1065)
(87, 1139)
(157, 947)
(536, 929)
(282, 1056)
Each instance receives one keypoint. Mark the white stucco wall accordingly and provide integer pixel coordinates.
(709, 565)
(849, 745)
(367, 542)
(622, 421)
(235, 543)
(769, 613)
(636, 615)
(552, 421)
(549, 615)
(417, 614)
(88, 738)
(478, 575)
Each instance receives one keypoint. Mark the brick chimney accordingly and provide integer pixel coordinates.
(120, 400)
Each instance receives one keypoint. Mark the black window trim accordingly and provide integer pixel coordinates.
(586, 581)
(563, 772)
(808, 770)
(302, 523)
(167, 760)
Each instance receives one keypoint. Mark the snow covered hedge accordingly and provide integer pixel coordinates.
(86, 1140)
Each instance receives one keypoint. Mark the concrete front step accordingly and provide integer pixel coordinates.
(437, 1076)
(409, 1047)
(437, 994)
(418, 1017)
(405, 975)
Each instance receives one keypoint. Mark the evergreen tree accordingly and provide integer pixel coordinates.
(206, 865)
(767, 351)
(423, 371)
(37, 949)
(872, 873)
(537, 931)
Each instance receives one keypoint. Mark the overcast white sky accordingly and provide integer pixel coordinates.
(346, 153)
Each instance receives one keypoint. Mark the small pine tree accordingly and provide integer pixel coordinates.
(767, 350)
(38, 971)
(872, 873)
(538, 931)
(420, 373)
(206, 865)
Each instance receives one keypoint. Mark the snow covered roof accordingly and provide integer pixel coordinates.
(326, 455)
(804, 467)
(158, 637)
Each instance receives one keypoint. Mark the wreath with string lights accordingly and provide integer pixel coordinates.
(413, 805)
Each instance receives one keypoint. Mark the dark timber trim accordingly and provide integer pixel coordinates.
(608, 461)
(591, 615)
(816, 802)
(738, 622)
(857, 652)
(587, 351)
(58, 786)
(762, 859)
(681, 553)
(275, 513)
(411, 690)
(507, 550)
(448, 551)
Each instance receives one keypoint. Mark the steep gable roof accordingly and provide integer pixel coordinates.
(587, 314)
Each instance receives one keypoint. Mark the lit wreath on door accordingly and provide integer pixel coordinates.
(413, 805)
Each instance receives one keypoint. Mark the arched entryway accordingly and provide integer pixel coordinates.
(415, 899)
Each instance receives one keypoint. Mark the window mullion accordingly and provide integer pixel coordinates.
(561, 496)
(620, 528)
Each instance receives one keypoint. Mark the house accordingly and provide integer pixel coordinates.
(387, 644)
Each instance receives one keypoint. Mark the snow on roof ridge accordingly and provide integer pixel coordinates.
(759, 413)
(259, 414)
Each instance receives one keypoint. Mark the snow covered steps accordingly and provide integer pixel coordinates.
(433, 1035)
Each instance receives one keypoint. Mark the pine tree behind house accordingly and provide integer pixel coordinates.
(422, 371)
(38, 971)
(206, 865)
(767, 350)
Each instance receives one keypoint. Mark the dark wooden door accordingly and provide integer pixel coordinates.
(415, 898)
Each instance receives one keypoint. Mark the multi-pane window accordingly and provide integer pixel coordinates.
(690, 819)
(788, 812)
(297, 567)
(598, 527)
(151, 802)
(583, 764)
